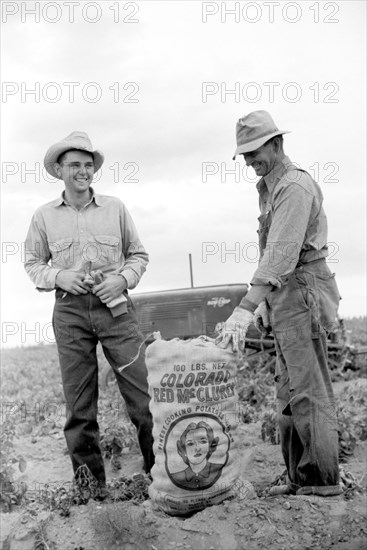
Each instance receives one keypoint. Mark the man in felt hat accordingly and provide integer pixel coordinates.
(86, 246)
(294, 293)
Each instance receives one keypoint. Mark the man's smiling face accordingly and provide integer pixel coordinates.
(262, 160)
(76, 168)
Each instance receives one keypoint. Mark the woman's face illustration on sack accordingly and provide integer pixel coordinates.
(197, 445)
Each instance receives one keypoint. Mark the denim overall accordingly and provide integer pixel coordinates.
(302, 311)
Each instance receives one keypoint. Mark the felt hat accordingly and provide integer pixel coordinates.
(76, 140)
(253, 130)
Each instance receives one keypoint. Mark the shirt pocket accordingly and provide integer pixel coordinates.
(106, 250)
(62, 253)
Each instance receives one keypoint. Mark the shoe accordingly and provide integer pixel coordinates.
(281, 490)
(320, 490)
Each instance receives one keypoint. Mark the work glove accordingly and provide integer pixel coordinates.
(261, 318)
(234, 329)
(118, 305)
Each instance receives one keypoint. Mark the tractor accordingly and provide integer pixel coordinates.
(190, 312)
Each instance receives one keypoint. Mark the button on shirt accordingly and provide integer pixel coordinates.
(101, 235)
(293, 222)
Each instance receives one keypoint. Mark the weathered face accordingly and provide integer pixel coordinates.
(76, 170)
(197, 445)
(262, 160)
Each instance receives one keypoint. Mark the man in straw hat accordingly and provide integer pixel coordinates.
(86, 246)
(294, 293)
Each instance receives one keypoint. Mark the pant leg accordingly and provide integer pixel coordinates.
(307, 420)
(291, 445)
(121, 341)
(76, 343)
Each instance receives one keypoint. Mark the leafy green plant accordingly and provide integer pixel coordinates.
(134, 488)
(115, 440)
(352, 417)
(118, 434)
(41, 541)
(269, 426)
(11, 493)
(255, 391)
(85, 487)
(57, 498)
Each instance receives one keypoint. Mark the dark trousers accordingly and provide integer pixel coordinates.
(301, 312)
(79, 323)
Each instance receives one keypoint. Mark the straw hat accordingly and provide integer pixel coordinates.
(253, 130)
(76, 140)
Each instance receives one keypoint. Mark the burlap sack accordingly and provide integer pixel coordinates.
(194, 405)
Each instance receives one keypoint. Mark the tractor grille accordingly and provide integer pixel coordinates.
(149, 314)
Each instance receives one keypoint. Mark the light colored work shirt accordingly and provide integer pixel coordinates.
(293, 225)
(101, 235)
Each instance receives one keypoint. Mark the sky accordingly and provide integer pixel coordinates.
(159, 86)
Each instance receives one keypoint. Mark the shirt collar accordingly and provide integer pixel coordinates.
(275, 175)
(94, 197)
(204, 473)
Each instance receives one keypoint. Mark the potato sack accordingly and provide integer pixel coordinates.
(195, 409)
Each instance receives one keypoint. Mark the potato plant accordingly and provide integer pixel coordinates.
(33, 404)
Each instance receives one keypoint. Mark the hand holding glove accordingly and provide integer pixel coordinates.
(261, 318)
(106, 288)
(234, 329)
